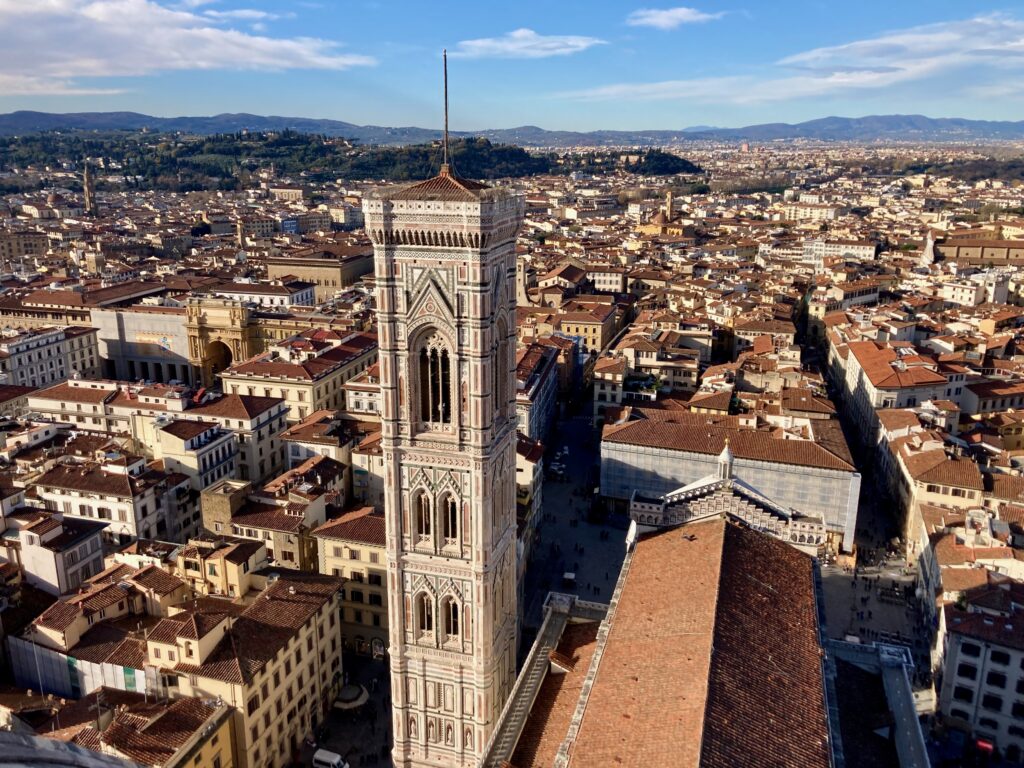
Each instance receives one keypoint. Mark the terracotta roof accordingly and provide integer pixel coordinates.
(255, 514)
(445, 186)
(185, 429)
(957, 472)
(706, 676)
(1007, 631)
(961, 579)
(876, 359)
(14, 391)
(95, 478)
(240, 407)
(531, 450)
(897, 418)
(363, 525)
(805, 400)
(153, 733)
(157, 580)
(710, 439)
(715, 401)
(766, 326)
(613, 365)
(1000, 486)
(553, 708)
(58, 616)
(949, 550)
(265, 626)
(997, 388)
(67, 393)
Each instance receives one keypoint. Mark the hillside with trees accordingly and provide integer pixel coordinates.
(229, 161)
(657, 163)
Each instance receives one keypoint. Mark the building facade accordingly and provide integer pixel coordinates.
(982, 688)
(40, 357)
(352, 546)
(445, 264)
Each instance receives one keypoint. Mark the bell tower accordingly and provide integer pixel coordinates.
(444, 255)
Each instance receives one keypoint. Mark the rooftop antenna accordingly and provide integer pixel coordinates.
(444, 165)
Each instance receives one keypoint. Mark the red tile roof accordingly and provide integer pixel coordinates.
(710, 439)
(553, 708)
(707, 676)
(363, 525)
(444, 186)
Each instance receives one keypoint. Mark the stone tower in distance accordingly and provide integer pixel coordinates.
(88, 190)
(444, 253)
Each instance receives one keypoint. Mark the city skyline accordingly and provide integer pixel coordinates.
(572, 70)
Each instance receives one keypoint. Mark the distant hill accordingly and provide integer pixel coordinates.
(871, 128)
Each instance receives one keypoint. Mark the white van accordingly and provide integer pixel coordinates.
(324, 759)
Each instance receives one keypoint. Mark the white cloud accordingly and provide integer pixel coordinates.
(669, 18)
(242, 14)
(918, 54)
(54, 43)
(28, 85)
(523, 44)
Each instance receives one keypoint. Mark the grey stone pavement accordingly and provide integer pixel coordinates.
(361, 736)
(569, 542)
(876, 601)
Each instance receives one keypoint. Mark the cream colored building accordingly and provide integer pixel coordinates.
(319, 434)
(40, 357)
(308, 371)
(121, 408)
(331, 269)
(136, 500)
(368, 471)
(353, 547)
(276, 661)
(203, 450)
(222, 565)
(282, 514)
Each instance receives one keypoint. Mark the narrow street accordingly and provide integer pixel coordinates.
(876, 601)
(569, 542)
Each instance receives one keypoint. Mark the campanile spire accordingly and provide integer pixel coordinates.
(445, 170)
(444, 256)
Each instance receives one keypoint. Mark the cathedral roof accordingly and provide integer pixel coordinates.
(700, 676)
(446, 186)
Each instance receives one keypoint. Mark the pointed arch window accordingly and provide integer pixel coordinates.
(435, 382)
(424, 615)
(424, 516)
(452, 617)
(450, 520)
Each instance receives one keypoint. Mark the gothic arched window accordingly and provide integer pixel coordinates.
(450, 519)
(435, 381)
(451, 616)
(424, 614)
(423, 516)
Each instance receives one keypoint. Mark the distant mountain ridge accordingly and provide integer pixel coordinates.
(870, 128)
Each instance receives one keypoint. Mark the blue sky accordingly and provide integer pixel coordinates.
(560, 64)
